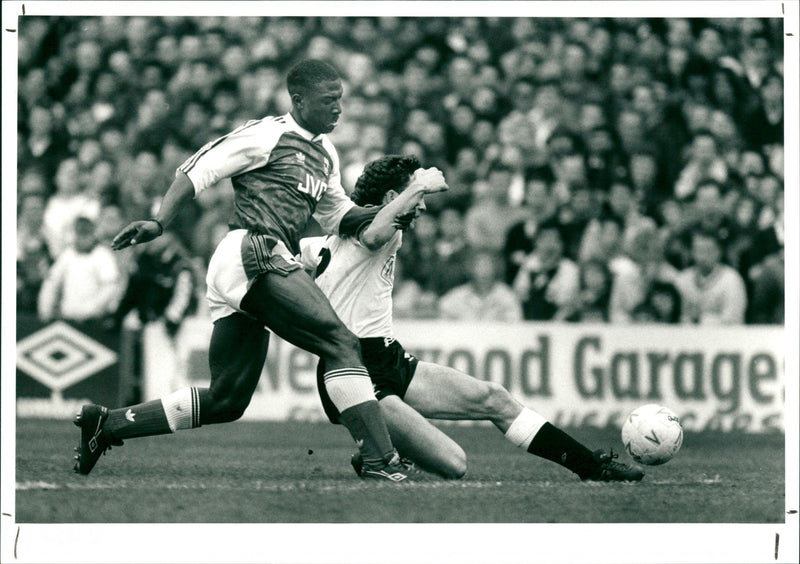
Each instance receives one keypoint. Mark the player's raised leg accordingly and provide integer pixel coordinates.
(236, 357)
(441, 392)
(297, 311)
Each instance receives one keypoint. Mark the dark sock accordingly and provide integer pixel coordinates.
(142, 420)
(368, 428)
(554, 444)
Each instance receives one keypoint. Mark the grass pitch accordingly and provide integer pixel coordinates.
(260, 472)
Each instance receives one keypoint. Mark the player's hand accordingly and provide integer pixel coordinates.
(403, 221)
(429, 180)
(135, 233)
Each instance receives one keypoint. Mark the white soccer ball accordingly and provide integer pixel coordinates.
(652, 434)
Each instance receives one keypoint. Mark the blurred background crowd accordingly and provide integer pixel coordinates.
(600, 170)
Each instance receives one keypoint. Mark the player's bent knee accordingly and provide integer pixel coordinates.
(455, 466)
(341, 346)
(459, 466)
(448, 460)
(225, 410)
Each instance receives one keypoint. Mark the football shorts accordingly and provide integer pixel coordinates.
(238, 259)
(390, 368)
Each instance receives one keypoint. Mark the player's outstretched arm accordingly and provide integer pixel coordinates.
(385, 224)
(180, 192)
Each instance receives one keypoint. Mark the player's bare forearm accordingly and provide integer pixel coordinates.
(385, 224)
(180, 193)
(383, 227)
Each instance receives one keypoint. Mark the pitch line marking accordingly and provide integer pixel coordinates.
(326, 485)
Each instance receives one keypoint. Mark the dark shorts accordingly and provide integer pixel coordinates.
(390, 368)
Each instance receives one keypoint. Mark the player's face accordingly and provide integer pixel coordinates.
(318, 109)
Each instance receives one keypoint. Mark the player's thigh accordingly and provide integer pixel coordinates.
(441, 392)
(418, 439)
(296, 310)
(236, 356)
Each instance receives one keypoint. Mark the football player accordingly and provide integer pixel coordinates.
(283, 169)
(357, 275)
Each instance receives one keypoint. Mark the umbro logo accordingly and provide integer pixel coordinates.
(394, 476)
(59, 356)
(129, 415)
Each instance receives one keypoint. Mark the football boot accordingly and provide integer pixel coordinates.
(609, 470)
(94, 441)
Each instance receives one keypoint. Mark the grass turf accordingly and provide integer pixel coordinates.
(295, 472)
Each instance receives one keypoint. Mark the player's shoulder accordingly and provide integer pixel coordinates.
(271, 123)
(267, 129)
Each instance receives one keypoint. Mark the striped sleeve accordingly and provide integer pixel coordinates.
(245, 148)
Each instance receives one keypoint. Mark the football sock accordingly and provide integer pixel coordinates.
(350, 390)
(554, 444)
(524, 427)
(368, 429)
(179, 410)
(182, 408)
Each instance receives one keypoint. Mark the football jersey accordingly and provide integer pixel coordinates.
(281, 176)
(358, 282)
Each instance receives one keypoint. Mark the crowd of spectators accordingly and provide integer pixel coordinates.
(600, 170)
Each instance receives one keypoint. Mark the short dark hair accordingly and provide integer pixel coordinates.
(391, 172)
(308, 73)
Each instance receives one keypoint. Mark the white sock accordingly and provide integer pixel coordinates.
(524, 428)
(348, 387)
(182, 409)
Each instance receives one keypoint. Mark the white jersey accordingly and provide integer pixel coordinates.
(358, 282)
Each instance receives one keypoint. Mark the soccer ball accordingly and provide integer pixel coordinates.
(652, 434)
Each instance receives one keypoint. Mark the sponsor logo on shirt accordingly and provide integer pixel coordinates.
(313, 187)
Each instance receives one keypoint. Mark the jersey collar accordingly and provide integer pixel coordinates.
(306, 134)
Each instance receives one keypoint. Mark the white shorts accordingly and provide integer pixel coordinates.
(234, 265)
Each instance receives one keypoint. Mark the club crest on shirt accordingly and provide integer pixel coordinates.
(387, 272)
(326, 167)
